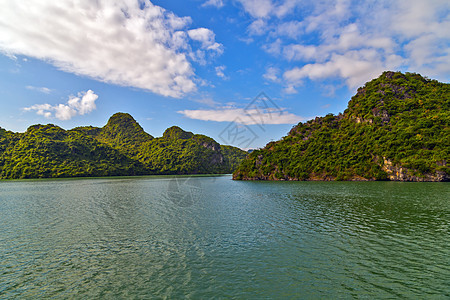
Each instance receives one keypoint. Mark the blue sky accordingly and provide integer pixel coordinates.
(203, 64)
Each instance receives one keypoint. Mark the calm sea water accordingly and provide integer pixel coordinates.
(211, 237)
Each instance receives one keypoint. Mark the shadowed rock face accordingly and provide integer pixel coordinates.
(396, 127)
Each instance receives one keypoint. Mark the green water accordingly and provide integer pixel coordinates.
(211, 237)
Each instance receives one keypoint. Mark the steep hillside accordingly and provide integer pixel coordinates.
(122, 132)
(396, 127)
(121, 147)
(181, 152)
(50, 151)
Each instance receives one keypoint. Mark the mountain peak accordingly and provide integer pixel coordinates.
(176, 132)
(391, 93)
(121, 129)
(121, 118)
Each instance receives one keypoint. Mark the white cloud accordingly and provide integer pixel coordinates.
(258, 8)
(274, 48)
(83, 104)
(355, 41)
(208, 45)
(220, 72)
(207, 101)
(356, 67)
(272, 74)
(290, 89)
(414, 18)
(39, 89)
(350, 55)
(287, 7)
(292, 29)
(269, 8)
(300, 52)
(206, 37)
(216, 3)
(248, 41)
(244, 116)
(257, 27)
(423, 26)
(124, 42)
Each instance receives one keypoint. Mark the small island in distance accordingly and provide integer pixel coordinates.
(396, 127)
(120, 148)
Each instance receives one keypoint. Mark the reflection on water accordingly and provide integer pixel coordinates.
(130, 238)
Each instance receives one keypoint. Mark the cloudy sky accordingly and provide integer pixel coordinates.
(252, 67)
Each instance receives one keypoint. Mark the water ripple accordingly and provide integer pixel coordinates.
(128, 238)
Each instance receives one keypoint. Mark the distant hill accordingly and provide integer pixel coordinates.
(121, 147)
(396, 127)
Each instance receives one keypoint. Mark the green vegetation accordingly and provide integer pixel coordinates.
(181, 152)
(396, 127)
(121, 147)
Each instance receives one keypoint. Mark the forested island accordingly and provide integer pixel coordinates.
(396, 127)
(119, 148)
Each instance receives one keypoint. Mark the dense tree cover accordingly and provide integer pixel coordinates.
(181, 152)
(121, 147)
(396, 127)
(121, 132)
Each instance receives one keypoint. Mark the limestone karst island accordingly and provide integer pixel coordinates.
(396, 127)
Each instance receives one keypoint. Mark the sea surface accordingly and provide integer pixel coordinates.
(211, 237)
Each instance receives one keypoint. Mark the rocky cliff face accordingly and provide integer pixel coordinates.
(399, 173)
